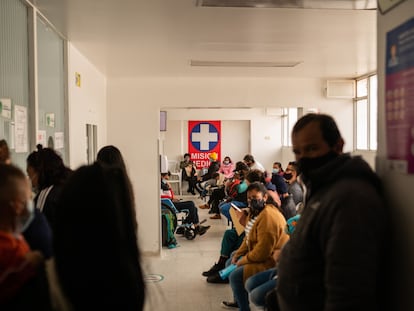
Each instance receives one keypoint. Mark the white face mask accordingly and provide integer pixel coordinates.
(23, 221)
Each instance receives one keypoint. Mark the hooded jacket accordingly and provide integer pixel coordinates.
(335, 259)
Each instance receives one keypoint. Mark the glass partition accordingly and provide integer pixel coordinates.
(51, 90)
(14, 79)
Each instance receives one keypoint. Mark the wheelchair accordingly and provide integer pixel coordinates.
(186, 229)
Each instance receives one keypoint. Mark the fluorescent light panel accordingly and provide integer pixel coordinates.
(207, 63)
(299, 4)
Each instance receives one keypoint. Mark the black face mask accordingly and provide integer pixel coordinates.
(257, 206)
(307, 165)
(287, 176)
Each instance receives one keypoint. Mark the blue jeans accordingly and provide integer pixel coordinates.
(259, 285)
(225, 207)
(237, 285)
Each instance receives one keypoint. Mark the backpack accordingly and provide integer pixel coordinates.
(232, 189)
(169, 224)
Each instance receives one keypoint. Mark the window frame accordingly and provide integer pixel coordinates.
(287, 124)
(368, 124)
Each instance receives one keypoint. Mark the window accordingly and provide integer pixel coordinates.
(289, 118)
(366, 113)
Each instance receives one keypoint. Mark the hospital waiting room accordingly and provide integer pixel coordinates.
(206, 155)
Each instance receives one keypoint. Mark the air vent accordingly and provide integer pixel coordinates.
(206, 63)
(340, 89)
(298, 4)
(252, 3)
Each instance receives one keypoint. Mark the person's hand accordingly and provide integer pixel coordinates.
(242, 218)
(238, 261)
(234, 260)
(276, 255)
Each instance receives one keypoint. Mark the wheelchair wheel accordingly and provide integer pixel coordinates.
(189, 233)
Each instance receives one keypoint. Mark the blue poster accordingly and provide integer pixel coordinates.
(399, 97)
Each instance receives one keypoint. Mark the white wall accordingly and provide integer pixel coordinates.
(133, 123)
(87, 105)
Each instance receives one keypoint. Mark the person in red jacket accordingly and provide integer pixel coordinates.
(18, 264)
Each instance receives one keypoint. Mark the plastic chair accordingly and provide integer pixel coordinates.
(173, 167)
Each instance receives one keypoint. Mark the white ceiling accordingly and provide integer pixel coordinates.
(161, 37)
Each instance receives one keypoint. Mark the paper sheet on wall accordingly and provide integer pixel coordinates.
(20, 129)
(50, 119)
(59, 140)
(5, 108)
(41, 138)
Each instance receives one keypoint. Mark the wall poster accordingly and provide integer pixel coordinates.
(204, 137)
(399, 97)
(20, 130)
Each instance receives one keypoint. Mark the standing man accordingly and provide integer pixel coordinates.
(336, 258)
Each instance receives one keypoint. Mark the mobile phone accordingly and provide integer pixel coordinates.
(235, 207)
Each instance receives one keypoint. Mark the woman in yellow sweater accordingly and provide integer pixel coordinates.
(265, 236)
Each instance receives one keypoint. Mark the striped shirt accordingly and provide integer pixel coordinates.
(248, 228)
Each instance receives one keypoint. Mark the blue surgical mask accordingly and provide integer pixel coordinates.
(226, 162)
(23, 221)
(275, 171)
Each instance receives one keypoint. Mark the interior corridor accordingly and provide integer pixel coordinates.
(174, 280)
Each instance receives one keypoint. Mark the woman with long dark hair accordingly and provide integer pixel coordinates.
(95, 241)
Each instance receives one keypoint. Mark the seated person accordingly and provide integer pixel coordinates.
(231, 240)
(287, 203)
(294, 188)
(4, 152)
(216, 181)
(213, 168)
(188, 173)
(260, 284)
(236, 190)
(264, 235)
(181, 205)
(278, 169)
(37, 232)
(228, 190)
(23, 284)
(229, 243)
(227, 168)
(241, 199)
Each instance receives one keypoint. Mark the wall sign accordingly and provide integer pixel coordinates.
(399, 97)
(204, 137)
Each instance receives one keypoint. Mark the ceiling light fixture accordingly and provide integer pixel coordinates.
(298, 4)
(207, 63)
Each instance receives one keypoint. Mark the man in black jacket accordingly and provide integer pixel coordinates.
(335, 259)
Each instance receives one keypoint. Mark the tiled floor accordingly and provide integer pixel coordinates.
(182, 286)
